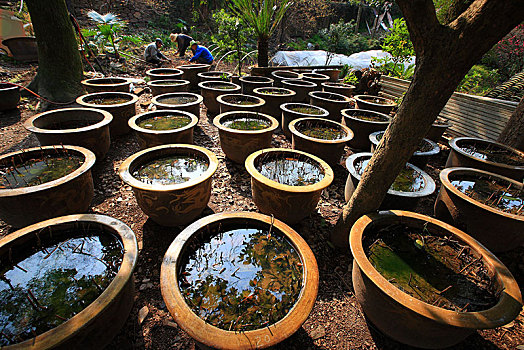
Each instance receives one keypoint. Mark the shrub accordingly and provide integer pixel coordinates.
(510, 52)
(479, 80)
(341, 38)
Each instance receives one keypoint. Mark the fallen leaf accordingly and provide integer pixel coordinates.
(142, 314)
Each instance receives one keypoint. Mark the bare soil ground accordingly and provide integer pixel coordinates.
(336, 322)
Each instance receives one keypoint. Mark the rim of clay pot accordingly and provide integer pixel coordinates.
(222, 99)
(214, 74)
(278, 74)
(162, 82)
(299, 83)
(345, 114)
(292, 127)
(328, 97)
(31, 124)
(453, 144)
(442, 124)
(365, 98)
(54, 337)
(495, 316)
(133, 122)
(444, 179)
(6, 86)
(255, 79)
(285, 108)
(128, 166)
(325, 182)
(89, 161)
(207, 85)
(428, 189)
(104, 82)
(435, 149)
(193, 66)
(288, 92)
(217, 121)
(315, 76)
(84, 99)
(342, 86)
(155, 72)
(156, 100)
(215, 337)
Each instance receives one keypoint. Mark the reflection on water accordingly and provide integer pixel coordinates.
(290, 170)
(409, 179)
(171, 170)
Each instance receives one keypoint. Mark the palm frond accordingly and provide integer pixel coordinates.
(108, 18)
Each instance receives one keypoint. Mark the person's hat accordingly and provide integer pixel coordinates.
(158, 40)
(193, 42)
(173, 37)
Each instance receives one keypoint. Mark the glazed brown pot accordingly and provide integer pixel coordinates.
(94, 136)
(288, 115)
(9, 96)
(412, 321)
(170, 205)
(437, 130)
(459, 158)
(96, 325)
(339, 88)
(238, 144)
(290, 204)
(210, 90)
(375, 103)
(160, 87)
(109, 84)
(209, 336)
(316, 78)
(214, 76)
(150, 138)
(301, 87)
(497, 230)
(333, 74)
(23, 48)
(405, 200)
(363, 128)
(249, 83)
(164, 73)
(190, 73)
(274, 97)
(70, 194)
(121, 112)
(161, 102)
(330, 101)
(328, 150)
(279, 75)
(227, 105)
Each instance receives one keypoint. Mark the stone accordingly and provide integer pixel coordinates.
(142, 314)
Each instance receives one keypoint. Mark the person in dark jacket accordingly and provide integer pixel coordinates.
(182, 41)
(201, 54)
(152, 52)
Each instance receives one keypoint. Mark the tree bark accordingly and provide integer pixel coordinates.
(59, 63)
(513, 133)
(445, 53)
(263, 52)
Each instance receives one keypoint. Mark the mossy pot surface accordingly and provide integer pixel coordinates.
(363, 123)
(332, 102)
(214, 76)
(164, 73)
(166, 86)
(210, 336)
(274, 97)
(316, 78)
(499, 231)
(97, 324)
(85, 127)
(294, 110)
(290, 204)
(69, 194)
(460, 158)
(175, 204)
(339, 88)
(330, 150)
(375, 103)
(190, 73)
(279, 75)
(150, 137)
(237, 144)
(301, 87)
(239, 102)
(211, 89)
(167, 101)
(410, 320)
(9, 96)
(121, 112)
(109, 84)
(250, 82)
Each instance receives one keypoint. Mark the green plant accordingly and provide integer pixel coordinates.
(351, 78)
(108, 26)
(479, 80)
(386, 66)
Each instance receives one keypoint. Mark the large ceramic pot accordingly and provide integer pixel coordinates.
(239, 102)
(486, 155)
(85, 127)
(438, 128)
(292, 111)
(323, 138)
(209, 336)
(332, 73)
(290, 204)
(181, 101)
(190, 73)
(9, 96)
(399, 196)
(175, 204)
(210, 90)
(279, 75)
(316, 78)
(164, 73)
(160, 87)
(415, 322)
(151, 135)
(214, 76)
(497, 229)
(249, 83)
(69, 194)
(421, 156)
(375, 103)
(110, 84)
(301, 87)
(330, 101)
(23, 48)
(96, 325)
(239, 140)
(274, 97)
(121, 111)
(363, 123)
(339, 88)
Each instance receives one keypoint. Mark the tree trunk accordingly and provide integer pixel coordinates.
(59, 63)
(513, 133)
(263, 52)
(359, 15)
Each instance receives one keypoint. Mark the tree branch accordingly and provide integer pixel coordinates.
(422, 22)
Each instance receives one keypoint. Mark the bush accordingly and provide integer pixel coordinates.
(479, 80)
(341, 38)
(510, 52)
(231, 32)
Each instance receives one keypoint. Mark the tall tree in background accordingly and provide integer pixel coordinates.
(445, 52)
(59, 63)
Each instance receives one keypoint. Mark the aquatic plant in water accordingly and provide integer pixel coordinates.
(178, 100)
(320, 131)
(306, 110)
(423, 147)
(106, 101)
(246, 123)
(370, 117)
(409, 180)
(290, 170)
(171, 170)
(492, 153)
(165, 122)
